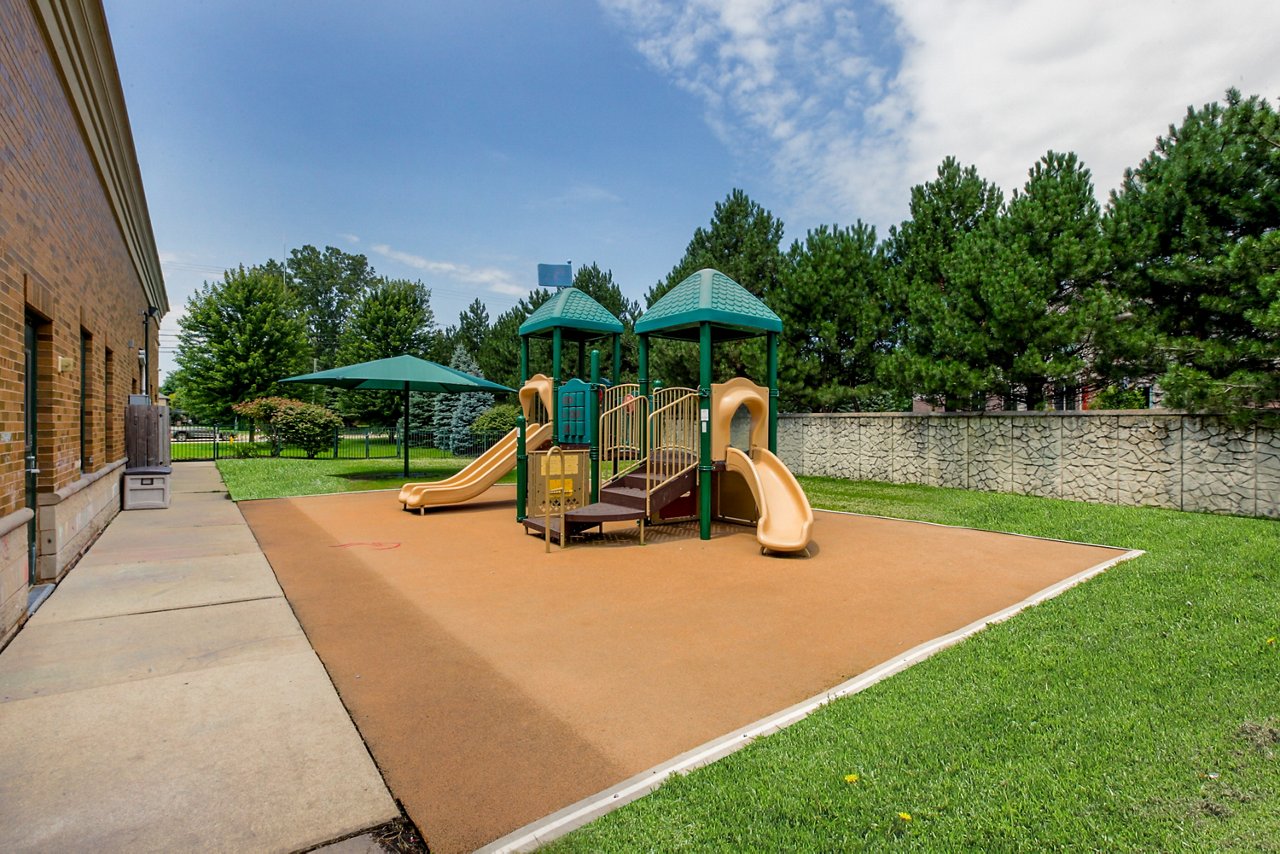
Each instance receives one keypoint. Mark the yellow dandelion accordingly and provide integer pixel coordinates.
(904, 816)
(1271, 641)
(851, 778)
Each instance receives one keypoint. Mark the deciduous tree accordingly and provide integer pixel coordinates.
(393, 318)
(329, 285)
(239, 337)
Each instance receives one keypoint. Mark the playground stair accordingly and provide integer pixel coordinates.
(620, 501)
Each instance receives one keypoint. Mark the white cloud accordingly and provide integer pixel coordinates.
(581, 194)
(999, 84)
(350, 238)
(494, 279)
(845, 105)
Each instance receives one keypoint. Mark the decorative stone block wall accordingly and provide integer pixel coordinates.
(1148, 458)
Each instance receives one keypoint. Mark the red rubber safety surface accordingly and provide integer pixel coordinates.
(496, 684)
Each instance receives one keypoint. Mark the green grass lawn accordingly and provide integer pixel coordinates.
(1138, 711)
(266, 477)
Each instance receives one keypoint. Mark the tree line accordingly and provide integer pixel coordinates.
(973, 302)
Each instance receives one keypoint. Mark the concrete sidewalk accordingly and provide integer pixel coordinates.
(164, 698)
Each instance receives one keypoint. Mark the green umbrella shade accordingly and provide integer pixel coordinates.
(399, 373)
(403, 374)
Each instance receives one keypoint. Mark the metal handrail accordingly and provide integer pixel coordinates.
(622, 434)
(674, 440)
(667, 394)
(615, 394)
(538, 413)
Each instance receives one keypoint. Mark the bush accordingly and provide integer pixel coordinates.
(1114, 397)
(499, 419)
(292, 422)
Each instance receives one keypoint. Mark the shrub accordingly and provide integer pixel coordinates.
(292, 422)
(499, 419)
(1114, 397)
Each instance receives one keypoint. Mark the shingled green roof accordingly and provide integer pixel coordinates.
(577, 315)
(708, 296)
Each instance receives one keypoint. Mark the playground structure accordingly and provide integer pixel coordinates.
(587, 453)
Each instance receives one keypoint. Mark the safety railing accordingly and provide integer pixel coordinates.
(622, 426)
(537, 413)
(615, 394)
(673, 438)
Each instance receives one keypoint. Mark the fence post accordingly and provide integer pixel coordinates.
(366, 443)
(337, 437)
(215, 442)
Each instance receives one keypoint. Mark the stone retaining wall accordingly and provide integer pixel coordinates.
(1155, 458)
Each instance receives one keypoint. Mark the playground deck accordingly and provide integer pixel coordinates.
(496, 684)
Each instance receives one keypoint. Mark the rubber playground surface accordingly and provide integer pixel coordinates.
(496, 684)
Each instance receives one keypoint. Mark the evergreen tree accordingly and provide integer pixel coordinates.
(473, 328)
(393, 318)
(742, 242)
(1195, 238)
(455, 413)
(835, 320)
(239, 337)
(600, 286)
(1030, 275)
(941, 346)
(500, 352)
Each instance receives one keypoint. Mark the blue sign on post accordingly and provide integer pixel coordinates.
(555, 275)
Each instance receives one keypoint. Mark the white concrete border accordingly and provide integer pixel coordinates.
(544, 830)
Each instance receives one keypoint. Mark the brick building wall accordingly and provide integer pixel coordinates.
(66, 264)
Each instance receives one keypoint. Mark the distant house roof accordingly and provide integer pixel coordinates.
(577, 315)
(708, 296)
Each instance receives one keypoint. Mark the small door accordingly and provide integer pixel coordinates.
(29, 431)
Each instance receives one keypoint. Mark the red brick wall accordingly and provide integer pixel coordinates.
(63, 257)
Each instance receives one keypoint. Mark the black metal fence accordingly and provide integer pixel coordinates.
(191, 443)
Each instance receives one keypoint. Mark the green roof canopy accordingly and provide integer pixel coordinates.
(708, 296)
(577, 315)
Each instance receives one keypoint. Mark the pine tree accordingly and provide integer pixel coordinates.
(743, 242)
(455, 413)
(1194, 232)
(473, 327)
(941, 349)
(834, 306)
(1031, 273)
(500, 353)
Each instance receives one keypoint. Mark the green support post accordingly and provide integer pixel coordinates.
(582, 357)
(704, 415)
(593, 419)
(644, 391)
(773, 392)
(522, 470)
(617, 359)
(643, 377)
(555, 382)
(522, 455)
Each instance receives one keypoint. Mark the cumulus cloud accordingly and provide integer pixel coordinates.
(494, 279)
(845, 105)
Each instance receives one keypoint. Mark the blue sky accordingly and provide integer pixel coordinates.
(464, 143)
